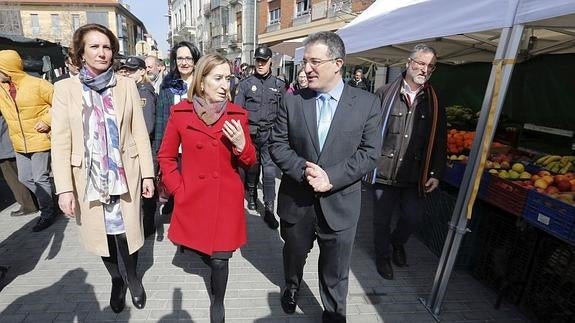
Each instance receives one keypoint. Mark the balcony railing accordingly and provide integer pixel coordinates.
(304, 18)
(206, 9)
(218, 3)
(233, 40)
(273, 27)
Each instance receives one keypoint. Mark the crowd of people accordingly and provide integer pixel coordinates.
(204, 135)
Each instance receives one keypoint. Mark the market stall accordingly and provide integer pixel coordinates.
(501, 32)
(40, 57)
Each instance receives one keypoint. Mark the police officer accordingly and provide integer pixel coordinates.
(135, 67)
(260, 94)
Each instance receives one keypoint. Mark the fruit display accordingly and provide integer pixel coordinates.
(516, 172)
(461, 117)
(556, 164)
(459, 140)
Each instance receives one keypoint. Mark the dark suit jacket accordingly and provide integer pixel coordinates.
(351, 149)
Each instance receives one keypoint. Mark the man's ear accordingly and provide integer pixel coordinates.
(339, 62)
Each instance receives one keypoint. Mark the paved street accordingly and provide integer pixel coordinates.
(53, 279)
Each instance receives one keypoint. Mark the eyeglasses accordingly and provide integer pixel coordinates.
(184, 59)
(420, 64)
(314, 62)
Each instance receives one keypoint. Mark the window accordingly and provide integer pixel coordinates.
(185, 18)
(35, 24)
(75, 21)
(97, 17)
(302, 7)
(239, 25)
(56, 32)
(10, 21)
(275, 16)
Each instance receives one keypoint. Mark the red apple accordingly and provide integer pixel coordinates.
(551, 190)
(558, 178)
(564, 186)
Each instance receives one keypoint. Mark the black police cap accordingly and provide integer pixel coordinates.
(134, 63)
(263, 52)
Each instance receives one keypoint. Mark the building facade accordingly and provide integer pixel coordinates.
(56, 21)
(235, 27)
(284, 20)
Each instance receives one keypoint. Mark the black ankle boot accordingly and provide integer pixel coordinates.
(252, 199)
(118, 295)
(269, 216)
(399, 257)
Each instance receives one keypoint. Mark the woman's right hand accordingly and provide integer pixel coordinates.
(235, 133)
(67, 203)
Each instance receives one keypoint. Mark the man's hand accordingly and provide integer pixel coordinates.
(317, 177)
(431, 185)
(42, 127)
(67, 203)
(148, 188)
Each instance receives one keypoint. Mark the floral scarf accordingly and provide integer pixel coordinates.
(105, 172)
(210, 113)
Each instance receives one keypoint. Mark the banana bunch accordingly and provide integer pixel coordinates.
(557, 164)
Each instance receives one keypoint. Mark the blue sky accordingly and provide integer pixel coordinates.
(151, 13)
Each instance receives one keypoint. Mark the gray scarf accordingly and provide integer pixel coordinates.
(98, 83)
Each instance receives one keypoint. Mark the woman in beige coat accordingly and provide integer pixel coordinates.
(101, 152)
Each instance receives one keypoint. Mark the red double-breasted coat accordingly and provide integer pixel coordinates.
(208, 213)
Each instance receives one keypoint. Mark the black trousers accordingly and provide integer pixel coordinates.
(386, 199)
(267, 167)
(334, 259)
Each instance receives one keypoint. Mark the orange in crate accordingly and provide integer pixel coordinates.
(459, 140)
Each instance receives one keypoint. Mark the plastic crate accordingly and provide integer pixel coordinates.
(550, 296)
(552, 215)
(506, 249)
(454, 173)
(506, 195)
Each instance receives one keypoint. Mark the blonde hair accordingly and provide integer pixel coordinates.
(204, 66)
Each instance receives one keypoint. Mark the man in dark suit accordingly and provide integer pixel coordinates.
(324, 140)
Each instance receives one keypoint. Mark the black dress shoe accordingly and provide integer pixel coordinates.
(269, 216)
(42, 224)
(160, 237)
(118, 296)
(384, 268)
(21, 212)
(398, 256)
(289, 300)
(139, 300)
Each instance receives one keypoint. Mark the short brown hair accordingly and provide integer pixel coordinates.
(78, 41)
(205, 65)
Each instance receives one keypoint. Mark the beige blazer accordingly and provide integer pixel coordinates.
(68, 160)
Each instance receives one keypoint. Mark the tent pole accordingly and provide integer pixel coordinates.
(498, 83)
(431, 300)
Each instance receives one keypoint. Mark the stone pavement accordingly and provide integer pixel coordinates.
(53, 279)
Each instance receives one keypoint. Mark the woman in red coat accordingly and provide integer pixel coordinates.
(208, 216)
